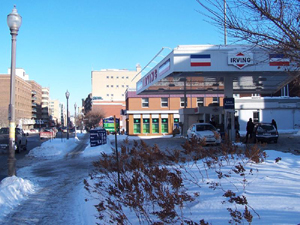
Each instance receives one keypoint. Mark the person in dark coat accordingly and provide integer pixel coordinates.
(274, 123)
(249, 128)
(212, 122)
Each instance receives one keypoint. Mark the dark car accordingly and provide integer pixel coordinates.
(20, 139)
(265, 132)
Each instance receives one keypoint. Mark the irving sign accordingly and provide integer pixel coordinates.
(240, 60)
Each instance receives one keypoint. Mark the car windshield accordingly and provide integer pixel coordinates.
(266, 127)
(205, 127)
(4, 131)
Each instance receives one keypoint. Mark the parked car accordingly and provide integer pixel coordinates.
(20, 139)
(47, 133)
(265, 132)
(204, 132)
(32, 130)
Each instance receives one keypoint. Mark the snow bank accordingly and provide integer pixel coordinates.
(12, 191)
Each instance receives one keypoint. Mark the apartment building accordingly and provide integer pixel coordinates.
(108, 90)
(36, 101)
(45, 106)
(54, 112)
(23, 101)
(151, 115)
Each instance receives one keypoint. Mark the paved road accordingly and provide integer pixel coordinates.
(33, 141)
(286, 143)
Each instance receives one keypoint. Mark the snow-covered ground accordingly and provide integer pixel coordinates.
(273, 192)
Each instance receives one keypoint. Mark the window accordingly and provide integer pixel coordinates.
(127, 86)
(164, 125)
(117, 86)
(182, 103)
(107, 94)
(145, 102)
(107, 77)
(117, 77)
(122, 85)
(112, 85)
(215, 100)
(111, 77)
(111, 94)
(137, 126)
(255, 117)
(127, 77)
(107, 86)
(200, 101)
(122, 77)
(155, 126)
(146, 126)
(164, 102)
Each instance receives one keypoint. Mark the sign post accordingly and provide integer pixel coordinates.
(117, 154)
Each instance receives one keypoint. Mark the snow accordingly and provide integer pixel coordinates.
(273, 191)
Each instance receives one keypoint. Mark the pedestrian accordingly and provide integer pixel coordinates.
(274, 123)
(212, 121)
(237, 127)
(249, 128)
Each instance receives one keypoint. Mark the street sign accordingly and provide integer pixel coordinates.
(98, 137)
(228, 103)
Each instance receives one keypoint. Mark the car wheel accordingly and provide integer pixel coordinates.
(25, 146)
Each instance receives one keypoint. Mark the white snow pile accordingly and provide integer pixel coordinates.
(54, 148)
(12, 191)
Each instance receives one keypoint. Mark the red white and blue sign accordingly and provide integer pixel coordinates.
(278, 60)
(240, 59)
(200, 60)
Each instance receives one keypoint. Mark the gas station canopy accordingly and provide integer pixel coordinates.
(202, 69)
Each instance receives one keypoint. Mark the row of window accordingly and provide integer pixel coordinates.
(112, 94)
(117, 77)
(154, 129)
(116, 86)
(165, 102)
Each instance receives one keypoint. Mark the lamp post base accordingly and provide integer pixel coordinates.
(11, 167)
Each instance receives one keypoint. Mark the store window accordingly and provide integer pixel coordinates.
(164, 102)
(255, 117)
(155, 126)
(145, 102)
(164, 125)
(146, 126)
(137, 126)
(200, 101)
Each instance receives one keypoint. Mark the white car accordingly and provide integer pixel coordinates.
(204, 132)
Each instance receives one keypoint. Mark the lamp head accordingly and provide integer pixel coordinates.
(67, 94)
(14, 21)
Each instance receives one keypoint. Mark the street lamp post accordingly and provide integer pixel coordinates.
(67, 96)
(75, 106)
(14, 21)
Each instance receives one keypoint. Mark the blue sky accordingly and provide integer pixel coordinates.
(61, 41)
